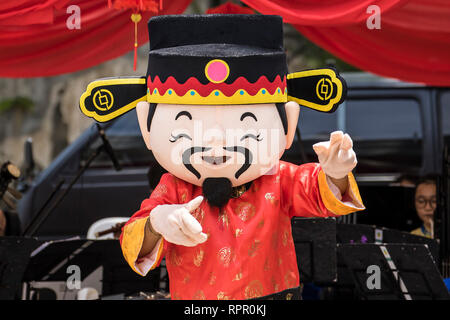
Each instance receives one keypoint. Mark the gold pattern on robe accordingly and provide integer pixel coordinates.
(212, 279)
(280, 261)
(183, 197)
(186, 279)
(284, 238)
(238, 276)
(254, 248)
(224, 256)
(222, 296)
(260, 224)
(198, 214)
(223, 218)
(253, 290)
(173, 258)
(199, 258)
(238, 232)
(199, 295)
(275, 285)
(271, 198)
(159, 191)
(245, 211)
(290, 279)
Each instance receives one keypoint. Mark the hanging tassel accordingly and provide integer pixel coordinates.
(136, 6)
(141, 5)
(135, 17)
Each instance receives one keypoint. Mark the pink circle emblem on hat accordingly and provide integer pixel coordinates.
(217, 71)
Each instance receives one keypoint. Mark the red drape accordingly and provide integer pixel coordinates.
(35, 40)
(413, 43)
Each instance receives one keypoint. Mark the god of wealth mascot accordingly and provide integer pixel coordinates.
(218, 108)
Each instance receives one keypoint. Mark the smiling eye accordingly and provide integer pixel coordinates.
(249, 135)
(181, 135)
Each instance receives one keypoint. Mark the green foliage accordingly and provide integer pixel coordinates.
(21, 103)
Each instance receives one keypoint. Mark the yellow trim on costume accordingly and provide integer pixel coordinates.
(216, 97)
(318, 72)
(329, 199)
(221, 61)
(108, 82)
(132, 239)
(354, 188)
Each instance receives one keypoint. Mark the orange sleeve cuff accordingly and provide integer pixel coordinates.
(133, 237)
(335, 205)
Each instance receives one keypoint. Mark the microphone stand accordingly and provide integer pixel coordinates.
(43, 215)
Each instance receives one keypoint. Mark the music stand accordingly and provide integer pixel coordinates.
(14, 256)
(315, 247)
(50, 261)
(407, 271)
(360, 233)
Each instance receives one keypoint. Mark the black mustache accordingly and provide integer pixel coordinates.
(187, 155)
(248, 158)
(189, 152)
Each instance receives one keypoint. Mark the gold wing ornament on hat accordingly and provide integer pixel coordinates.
(319, 89)
(106, 99)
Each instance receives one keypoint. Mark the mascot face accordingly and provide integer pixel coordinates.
(217, 106)
(236, 142)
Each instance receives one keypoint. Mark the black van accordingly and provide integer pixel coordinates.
(398, 128)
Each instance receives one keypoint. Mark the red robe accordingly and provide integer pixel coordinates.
(250, 251)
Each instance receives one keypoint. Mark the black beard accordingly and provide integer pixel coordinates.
(217, 191)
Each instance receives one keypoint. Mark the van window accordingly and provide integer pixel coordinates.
(387, 133)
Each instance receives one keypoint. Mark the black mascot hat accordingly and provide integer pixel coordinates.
(215, 59)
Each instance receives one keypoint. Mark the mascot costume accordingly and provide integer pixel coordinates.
(218, 108)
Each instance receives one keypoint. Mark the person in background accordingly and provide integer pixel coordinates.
(425, 204)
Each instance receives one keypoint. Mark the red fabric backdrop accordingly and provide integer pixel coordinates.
(413, 43)
(35, 40)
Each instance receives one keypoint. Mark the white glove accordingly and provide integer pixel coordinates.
(176, 224)
(336, 156)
